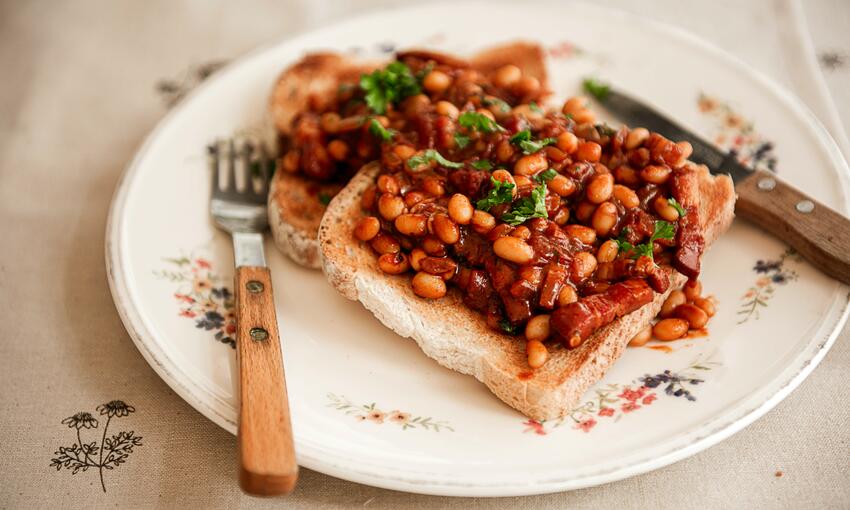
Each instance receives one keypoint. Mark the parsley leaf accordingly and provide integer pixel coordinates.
(479, 122)
(495, 101)
(500, 193)
(662, 230)
(596, 88)
(482, 164)
(532, 206)
(508, 328)
(681, 210)
(380, 132)
(546, 175)
(461, 140)
(533, 107)
(390, 85)
(325, 198)
(428, 156)
(529, 146)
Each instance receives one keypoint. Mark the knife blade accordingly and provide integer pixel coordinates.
(817, 232)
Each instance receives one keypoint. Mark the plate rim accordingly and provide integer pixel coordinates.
(344, 468)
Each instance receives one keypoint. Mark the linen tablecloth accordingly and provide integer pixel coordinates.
(82, 84)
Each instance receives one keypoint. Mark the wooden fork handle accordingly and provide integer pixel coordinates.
(267, 464)
(818, 233)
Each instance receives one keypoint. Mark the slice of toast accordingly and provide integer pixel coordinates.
(458, 337)
(294, 205)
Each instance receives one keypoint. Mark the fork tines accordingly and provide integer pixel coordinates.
(246, 173)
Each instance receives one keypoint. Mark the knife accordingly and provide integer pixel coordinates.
(818, 233)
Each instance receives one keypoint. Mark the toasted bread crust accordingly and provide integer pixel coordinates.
(458, 337)
(293, 208)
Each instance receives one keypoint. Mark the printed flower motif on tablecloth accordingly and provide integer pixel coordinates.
(613, 401)
(202, 296)
(370, 412)
(772, 275)
(173, 90)
(108, 454)
(733, 132)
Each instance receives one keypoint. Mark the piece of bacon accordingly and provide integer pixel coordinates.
(577, 321)
(684, 184)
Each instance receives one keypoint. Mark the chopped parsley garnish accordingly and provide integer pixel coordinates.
(529, 146)
(390, 85)
(663, 230)
(546, 175)
(478, 122)
(495, 101)
(596, 88)
(508, 328)
(461, 140)
(500, 193)
(380, 132)
(428, 156)
(533, 107)
(532, 206)
(676, 205)
(482, 164)
(606, 130)
(325, 198)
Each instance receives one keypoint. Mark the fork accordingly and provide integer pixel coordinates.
(267, 464)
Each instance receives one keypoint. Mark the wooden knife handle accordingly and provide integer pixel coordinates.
(818, 233)
(267, 464)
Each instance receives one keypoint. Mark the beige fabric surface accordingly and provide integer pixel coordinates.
(78, 94)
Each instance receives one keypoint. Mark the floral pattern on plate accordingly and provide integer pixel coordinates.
(202, 296)
(737, 134)
(613, 401)
(370, 412)
(774, 273)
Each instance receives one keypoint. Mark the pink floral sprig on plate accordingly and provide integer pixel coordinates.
(371, 413)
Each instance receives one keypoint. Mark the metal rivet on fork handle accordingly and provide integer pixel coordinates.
(258, 334)
(254, 287)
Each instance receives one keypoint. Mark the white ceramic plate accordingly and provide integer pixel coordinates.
(367, 405)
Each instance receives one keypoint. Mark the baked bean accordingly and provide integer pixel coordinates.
(460, 209)
(562, 216)
(385, 243)
(436, 81)
(686, 149)
(383, 121)
(537, 328)
(693, 290)
(585, 116)
(676, 298)
(393, 263)
(604, 218)
(670, 329)
(438, 265)
(655, 174)
(567, 142)
(664, 209)
(506, 76)
(573, 105)
(367, 228)
(367, 200)
(290, 161)
(513, 249)
(554, 154)
(706, 305)
(502, 175)
(626, 196)
(482, 222)
(537, 353)
(447, 109)
(584, 211)
(428, 285)
(643, 336)
(525, 111)
(404, 151)
(526, 86)
(388, 184)
(626, 175)
(696, 317)
(584, 234)
(521, 232)
(338, 149)
(589, 151)
(522, 180)
(562, 185)
(390, 206)
(635, 138)
(433, 246)
(505, 151)
(567, 295)
(445, 229)
(584, 264)
(434, 186)
(412, 198)
(416, 257)
(600, 188)
(412, 224)
(607, 252)
(330, 122)
(487, 113)
(531, 164)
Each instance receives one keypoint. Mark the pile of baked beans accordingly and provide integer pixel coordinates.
(547, 223)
